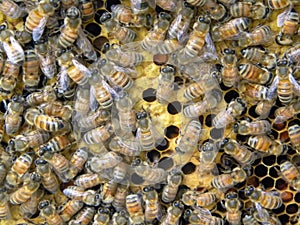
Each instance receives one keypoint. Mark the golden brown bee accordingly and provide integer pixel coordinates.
(139, 6)
(135, 209)
(173, 215)
(152, 204)
(293, 53)
(123, 34)
(120, 80)
(48, 178)
(257, 55)
(165, 83)
(278, 4)
(267, 200)
(259, 36)
(88, 180)
(254, 74)
(120, 218)
(234, 109)
(12, 180)
(263, 216)
(56, 144)
(257, 127)
(40, 97)
(11, 9)
(72, 23)
(8, 80)
(254, 92)
(108, 191)
(239, 152)
(167, 5)
(229, 180)
(119, 201)
(30, 207)
(247, 9)
(49, 212)
(169, 193)
(102, 217)
(207, 158)
(56, 108)
(84, 217)
(24, 193)
(93, 120)
(87, 10)
(229, 71)
(98, 135)
(194, 198)
(4, 206)
(89, 197)
(233, 205)
(82, 102)
(13, 115)
(202, 216)
(291, 174)
(294, 134)
(31, 73)
(151, 175)
(22, 164)
(230, 29)
(265, 144)
(263, 108)
(69, 209)
(106, 161)
(287, 112)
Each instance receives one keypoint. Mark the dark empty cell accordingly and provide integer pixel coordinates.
(284, 219)
(273, 172)
(223, 87)
(110, 3)
(149, 95)
(99, 42)
(242, 138)
(296, 160)
(162, 144)
(291, 151)
(279, 126)
(281, 158)
(220, 207)
(261, 171)
(99, 14)
(280, 184)
(284, 136)
(153, 156)
(160, 59)
(171, 131)
(256, 162)
(93, 28)
(216, 133)
(253, 181)
(178, 82)
(271, 115)
(201, 119)
(231, 95)
(268, 182)
(293, 122)
(297, 197)
(252, 112)
(274, 133)
(286, 196)
(188, 168)
(136, 179)
(174, 107)
(166, 163)
(208, 120)
(269, 160)
(279, 210)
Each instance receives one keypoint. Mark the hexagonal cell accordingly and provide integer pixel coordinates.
(269, 160)
(292, 208)
(110, 3)
(284, 219)
(93, 28)
(171, 131)
(208, 120)
(261, 170)
(153, 156)
(273, 172)
(267, 182)
(99, 42)
(286, 196)
(232, 94)
(149, 95)
(174, 107)
(252, 112)
(280, 184)
(284, 136)
(162, 144)
(188, 168)
(279, 210)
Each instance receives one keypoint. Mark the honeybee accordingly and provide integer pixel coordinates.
(22, 164)
(24, 193)
(56, 108)
(11, 9)
(74, 69)
(202, 216)
(229, 180)
(229, 70)
(151, 175)
(88, 180)
(106, 161)
(210, 101)
(69, 209)
(31, 75)
(78, 159)
(230, 29)
(254, 74)
(263, 216)
(247, 9)
(13, 115)
(254, 92)
(259, 56)
(89, 197)
(293, 53)
(108, 191)
(287, 112)
(259, 36)
(291, 174)
(119, 201)
(102, 217)
(93, 120)
(194, 198)
(267, 200)
(139, 6)
(81, 104)
(120, 218)
(207, 158)
(122, 34)
(12, 180)
(294, 132)
(263, 108)
(265, 144)
(169, 193)
(3, 172)
(167, 5)
(65, 90)
(85, 47)
(135, 209)
(48, 178)
(49, 212)
(72, 23)
(173, 214)
(8, 80)
(152, 204)
(84, 217)
(87, 10)
(120, 172)
(234, 109)
(257, 127)
(37, 18)
(39, 97)
(239, 152)
(30, 207)
(278, 4)
(98, 135)
(4, 205)
(233, 205)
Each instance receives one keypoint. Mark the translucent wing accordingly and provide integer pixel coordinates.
(63, 79)
(39, 30)
(272, 89)
(82, 68)
(281, 18)
(10, 49)
(93, 101)
(211, 46)
(85, 45)
(295, 83)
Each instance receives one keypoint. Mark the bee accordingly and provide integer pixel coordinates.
(173, 214)
(227, 116)
(254, 74)
(210, 101)
(89, 197)
(207, 158)
(229, 180)
(12, 48)
(13, 115)
(139, 6)
(84, 217)
(65, 91)
(265, 144)
(81, 104)
(120, 218)
(88, 180)
(69, 209)
(257, 127)
(166, 83)
(135, 209)
(294, 132)
(291, 174)
(122, 34)
(93, 120)
(102, 217)
(239, 152)
(278, 4)
(22, 164)
(3, 172)
(167, 5)
(179, 26)
(287, 112)
(170, 190)
(263, 108)
(233, 205)
(151, 175)
(247, 9)
(230, 29)
(108, 191)
(152, 204)
(263, 216)
(56, 108)
(293, 53)
(202, 216)
(194, 198)
(48, 178)
(24, 193)
(49, 212)
(72, 23)
(31, 75)
(120, 172)
(255, 92)
(106, 161)
(78, 159)
(42, 96)
(229, 70)
(4, 205)
(267, 200)
(259, 36)
(56, 144)
(98, 135)
(48, 123)
(119, 201)
(74, 69)
(11, 9)
(30, 207)
(87, 10)
(37, 18)
(66, 4)
(8, 80)
(249, 220)
(257, 55)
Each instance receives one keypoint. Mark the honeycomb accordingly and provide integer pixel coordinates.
(168, 120)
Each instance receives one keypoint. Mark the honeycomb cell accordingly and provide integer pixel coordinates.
(269, 160)
(110, 3)
(208, 120)
(160, 59)
(284, 219)
(252, 112)
(93, 28)
(284, 136)
(171, 131)
(99, 42)
(267, 182)
(292, 208)
(149, 95)
(231, 95)
(297, 197)
(279, 210)
(287, 196)
(273, 172)
(261, 170)
(253, 180)
(216, 133)
(174, 108)
(188, 168)
(153, 156)
(280, 184)
(279, 126)
(166, 163)
(99, 14)
(162, 144)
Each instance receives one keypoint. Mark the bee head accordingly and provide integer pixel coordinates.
(249, 190)
(105, 17)
(73, 13)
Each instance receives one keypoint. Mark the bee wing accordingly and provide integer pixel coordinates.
(93, 101)
(82, 68)
(63, 79)
(295, 83)
(281, 18)
(263, 213)
(8, 49)
(84, 44)
(130, 71)
(272, 89)
(211, 47)
(39, 30)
